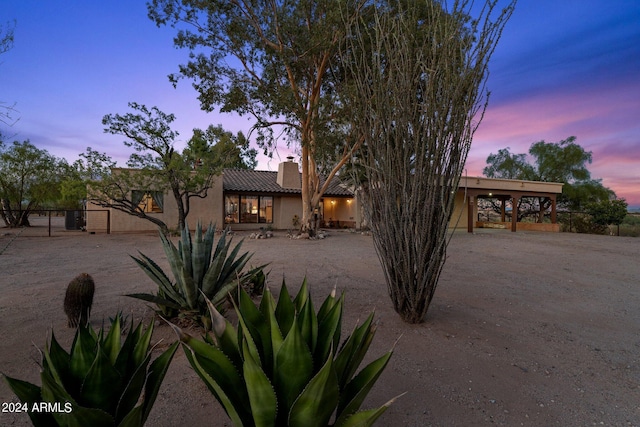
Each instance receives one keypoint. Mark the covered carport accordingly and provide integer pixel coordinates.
(505, 190)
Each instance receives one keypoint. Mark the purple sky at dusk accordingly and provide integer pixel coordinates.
(562, 68)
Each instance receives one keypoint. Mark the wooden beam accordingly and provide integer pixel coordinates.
(514, 213)
(470, 219)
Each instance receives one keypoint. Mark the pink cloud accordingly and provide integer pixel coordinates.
(604, 120)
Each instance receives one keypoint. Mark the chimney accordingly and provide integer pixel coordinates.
(288, 175)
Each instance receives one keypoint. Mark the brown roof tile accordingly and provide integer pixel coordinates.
(252, 181)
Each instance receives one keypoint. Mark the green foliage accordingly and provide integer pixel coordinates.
(286, 73)
(583, 223)
(200, 268)
(283, 366)
(224, 148)
(608, 212)
(29, 177)
(564, 161)
(158, 166)
(630, 226)
(107, 382)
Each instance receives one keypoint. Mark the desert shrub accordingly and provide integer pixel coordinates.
(200, 269)
(583, 223)
(630, 226)
(101, 381)
(283, 366)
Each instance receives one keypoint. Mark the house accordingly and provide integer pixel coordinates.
(240, 199)
(251, 199)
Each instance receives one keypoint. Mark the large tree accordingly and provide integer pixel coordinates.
(29, 177)
(277, 61)
(417, 73)
(156, 166)
(563, 161)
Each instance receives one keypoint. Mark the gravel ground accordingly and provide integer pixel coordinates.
(534, 329)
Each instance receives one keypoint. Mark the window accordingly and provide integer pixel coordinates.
(248, 209)
(231, 204)
(148, 201)
(266, 209)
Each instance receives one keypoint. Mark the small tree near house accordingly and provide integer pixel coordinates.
(157, 167)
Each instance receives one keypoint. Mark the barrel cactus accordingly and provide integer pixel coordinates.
(78, 300)
(283, 365)
(101, 382)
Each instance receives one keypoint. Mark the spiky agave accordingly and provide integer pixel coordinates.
(200, 268)
(282, 365)
(107, 382)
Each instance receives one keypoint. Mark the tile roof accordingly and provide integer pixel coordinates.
(252, 181)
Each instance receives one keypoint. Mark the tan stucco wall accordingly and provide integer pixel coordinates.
(345, 210)
(284, 210)
(460, 216)
(209, 209)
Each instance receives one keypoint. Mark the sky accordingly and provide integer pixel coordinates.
(562, 68)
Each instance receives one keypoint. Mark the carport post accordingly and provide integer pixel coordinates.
(514, 213)
(470, 206)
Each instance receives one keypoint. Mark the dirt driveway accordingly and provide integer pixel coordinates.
(534, 329)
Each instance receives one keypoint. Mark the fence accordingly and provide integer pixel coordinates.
(52, 222)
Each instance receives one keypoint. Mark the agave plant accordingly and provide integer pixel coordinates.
(101, 382)
(199, 271)
(282, 365)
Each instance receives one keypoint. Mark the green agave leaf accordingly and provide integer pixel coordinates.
(268, 310)
(212, 278)
(257, 325)
(212, 361)
(353, 351)
(327, 305)
(176, 264)
(236, 411)
(199, 261)
(233, 266)
(293, 370)
(29, 393)
(56, 362)
(285, 310)
(308, 323)
(245, 335)
(226, 335)
(141, 348)
(222, 293)
(318, 400)
(79, 415)
(102, 385)
(131, 393)
(157, 300)
(329, 330)
(363, 418)
(83, 353)
(132, 419)
(262, 397)
(155, 273)
(125, 363)
(157, 372)
(112, 343)
(209, 240)
(357, 389)
(186, 248)
(302, 296)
